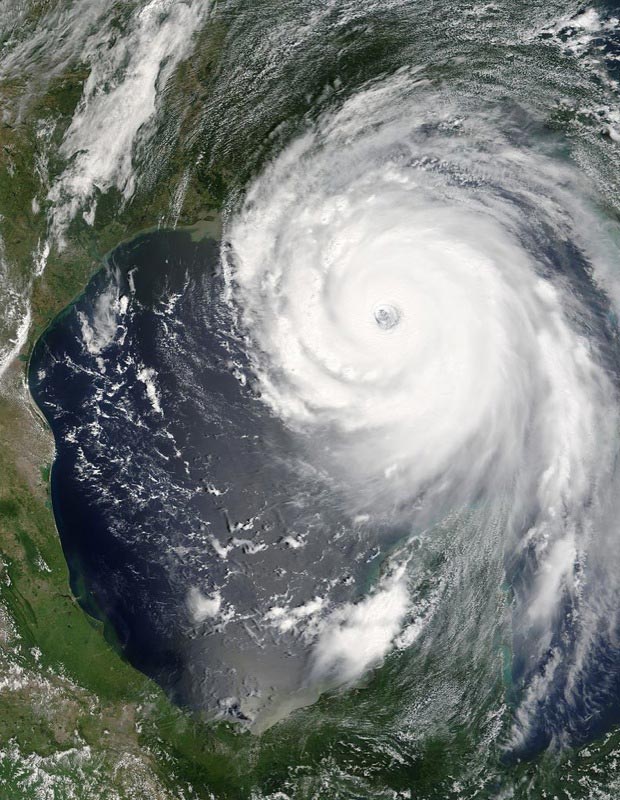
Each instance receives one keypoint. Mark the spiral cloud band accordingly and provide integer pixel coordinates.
(427, 301)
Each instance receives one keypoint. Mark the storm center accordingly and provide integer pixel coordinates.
(386, 316)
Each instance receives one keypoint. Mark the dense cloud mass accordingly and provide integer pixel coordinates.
(423, 296)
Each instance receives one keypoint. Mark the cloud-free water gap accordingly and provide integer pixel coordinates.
(226, 566)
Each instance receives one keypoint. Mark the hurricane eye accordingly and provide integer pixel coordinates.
(387, 316)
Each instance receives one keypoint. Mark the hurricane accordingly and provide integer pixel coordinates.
(427, 303)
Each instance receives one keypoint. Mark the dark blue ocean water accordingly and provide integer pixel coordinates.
(172, 478)
(110, 446)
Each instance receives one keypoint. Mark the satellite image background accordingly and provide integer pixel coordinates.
(309, 400)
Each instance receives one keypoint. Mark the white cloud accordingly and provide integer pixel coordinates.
(119, 104)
